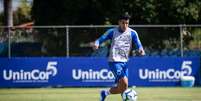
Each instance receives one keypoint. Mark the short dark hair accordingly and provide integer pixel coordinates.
(124, 16)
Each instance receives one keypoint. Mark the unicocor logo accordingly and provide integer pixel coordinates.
(92, 75)
(169, 74)
(33, 75)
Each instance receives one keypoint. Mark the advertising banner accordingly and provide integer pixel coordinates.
(58, 72)
(153, 71)
(87, 71)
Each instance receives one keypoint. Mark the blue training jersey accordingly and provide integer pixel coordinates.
(121, 43)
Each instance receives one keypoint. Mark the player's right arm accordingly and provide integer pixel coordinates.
(107, 35)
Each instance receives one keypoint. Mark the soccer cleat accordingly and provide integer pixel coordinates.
(102, 95)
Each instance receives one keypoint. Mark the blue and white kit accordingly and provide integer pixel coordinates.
(121, 44)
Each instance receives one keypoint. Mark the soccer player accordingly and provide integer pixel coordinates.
(122, 38)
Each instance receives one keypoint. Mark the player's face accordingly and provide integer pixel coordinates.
(123, 24)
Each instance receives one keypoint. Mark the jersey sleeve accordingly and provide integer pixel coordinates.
(136, 40)
(107, 35)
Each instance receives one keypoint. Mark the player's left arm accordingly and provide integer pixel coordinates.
(138, 44)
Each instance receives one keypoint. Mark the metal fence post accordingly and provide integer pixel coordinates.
(181, 41)
(9, 42)
(67, 41)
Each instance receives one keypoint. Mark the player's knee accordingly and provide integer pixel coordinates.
(122, 89)
(123, 85)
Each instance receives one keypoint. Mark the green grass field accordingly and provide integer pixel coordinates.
(92, 94)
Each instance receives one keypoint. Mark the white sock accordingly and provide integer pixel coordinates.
(107, 92)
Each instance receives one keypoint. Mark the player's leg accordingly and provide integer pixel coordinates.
(122, 85)
(120, 72)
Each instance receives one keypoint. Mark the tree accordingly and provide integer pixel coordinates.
(179, 11)
(1, 18)
(8, 14)
(22, 13)
(67, 12)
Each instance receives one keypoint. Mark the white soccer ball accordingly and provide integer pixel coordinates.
(129, 95)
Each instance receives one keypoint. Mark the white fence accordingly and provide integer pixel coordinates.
(158, 40)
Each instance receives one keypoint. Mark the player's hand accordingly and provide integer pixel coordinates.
(141, 52)
(94, 46)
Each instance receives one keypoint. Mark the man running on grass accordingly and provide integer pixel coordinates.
(122, 38)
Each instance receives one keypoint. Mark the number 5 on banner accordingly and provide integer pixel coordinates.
(186, 68)
(52, 66)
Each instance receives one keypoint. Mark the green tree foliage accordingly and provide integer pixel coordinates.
(64, 12)
(69, 12)
(22, 13)
(179, 11)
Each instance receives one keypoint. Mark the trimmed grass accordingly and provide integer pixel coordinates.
(92, 94)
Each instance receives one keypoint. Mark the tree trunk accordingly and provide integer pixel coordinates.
(8, 13)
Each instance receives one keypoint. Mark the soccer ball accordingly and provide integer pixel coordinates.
(129, 95)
